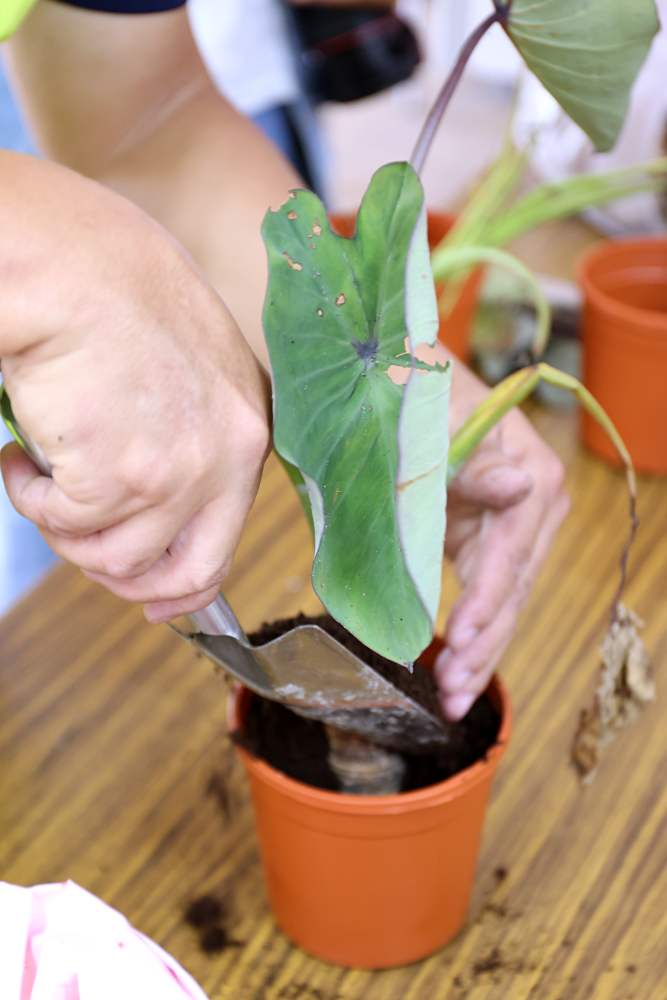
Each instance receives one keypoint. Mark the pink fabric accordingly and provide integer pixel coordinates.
(59, 942)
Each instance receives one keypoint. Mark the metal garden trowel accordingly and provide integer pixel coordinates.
(312, 673)
(305, 669)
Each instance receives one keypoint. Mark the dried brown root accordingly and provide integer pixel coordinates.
(626, 685)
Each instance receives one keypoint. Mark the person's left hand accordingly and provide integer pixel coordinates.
(504, 509)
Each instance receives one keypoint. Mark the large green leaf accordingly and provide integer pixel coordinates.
(587, 53)
(373, 454)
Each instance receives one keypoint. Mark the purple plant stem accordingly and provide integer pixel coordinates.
(430, 127)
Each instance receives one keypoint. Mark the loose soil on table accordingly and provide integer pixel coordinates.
(298, 747)
(208, 917)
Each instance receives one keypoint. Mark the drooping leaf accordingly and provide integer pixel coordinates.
(449, 262)
(372, 454)
(587, 54)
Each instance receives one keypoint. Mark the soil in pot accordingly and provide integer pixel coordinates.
(298, 747)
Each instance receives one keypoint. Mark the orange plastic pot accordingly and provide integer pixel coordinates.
(624, 334)
(371, 882)
(455, 330)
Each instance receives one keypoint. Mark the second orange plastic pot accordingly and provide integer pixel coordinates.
(624, 336)
(455, 330)
(371, 882)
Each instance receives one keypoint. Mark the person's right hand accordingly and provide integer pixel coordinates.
(144, 397)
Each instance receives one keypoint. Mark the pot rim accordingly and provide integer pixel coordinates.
(610, 249)
(432, 213)
(365, 805)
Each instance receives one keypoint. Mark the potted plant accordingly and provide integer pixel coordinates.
(624, 345)
(360, 423)
(495, 214)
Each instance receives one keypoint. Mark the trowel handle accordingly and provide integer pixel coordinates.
(31, 449)
(219, 619)
(216, 619)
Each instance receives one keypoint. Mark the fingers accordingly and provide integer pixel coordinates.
(462, 678)
(164, 611)
(123, 551)
(503, 548)
(195, 563)
(462, 675)
(490, 479)
(42, 501)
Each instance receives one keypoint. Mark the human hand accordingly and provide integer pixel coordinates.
(504, 509)
(149, 406)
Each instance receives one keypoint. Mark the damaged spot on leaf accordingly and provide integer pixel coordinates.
(317, 229)
(625, 686)
(292, 215)
(294, 264)
(408, 482)
(319, 312)
(340, 299)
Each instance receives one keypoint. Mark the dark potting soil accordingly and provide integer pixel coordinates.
(298, 747)
(207, 916)
(203, 912)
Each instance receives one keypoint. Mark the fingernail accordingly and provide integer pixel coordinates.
(454, 679)
(442, 661)
(463, 635)
(457, 705)
(454, 684)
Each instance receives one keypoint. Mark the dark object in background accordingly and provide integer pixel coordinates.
(207, 915)
(350, 53)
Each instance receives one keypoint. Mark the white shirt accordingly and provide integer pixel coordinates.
(245, 46)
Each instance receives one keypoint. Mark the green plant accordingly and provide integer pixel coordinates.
(494, 214)
(369, 456)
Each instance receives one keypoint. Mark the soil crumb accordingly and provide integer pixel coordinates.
(500, 873)
(208, 917)
(298, 747)
(625, 686)
(217, 790)
(203, 911)
(213, 939)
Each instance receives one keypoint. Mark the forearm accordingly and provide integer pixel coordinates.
(209, 176)
(126, 100)
(72, 250)
(49, 218)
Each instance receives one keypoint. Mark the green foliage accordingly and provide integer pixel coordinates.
(493, 214)
(372, 454)
(587, 53)
(368, 456)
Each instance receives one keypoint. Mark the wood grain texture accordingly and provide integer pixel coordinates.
(111, 730)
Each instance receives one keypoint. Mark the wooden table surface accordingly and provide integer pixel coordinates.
(111, 731)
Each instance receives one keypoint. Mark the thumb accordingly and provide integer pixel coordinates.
(490, 479)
